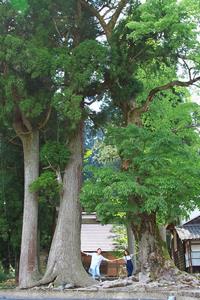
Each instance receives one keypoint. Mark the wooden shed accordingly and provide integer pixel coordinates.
(95, 235)
(185, 245)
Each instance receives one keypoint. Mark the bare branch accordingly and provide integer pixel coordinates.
(106, 12)
(195, 73)
(101, 8)
(41, 125)
(196, 85)
(196, 126)
(90, 102)
(56, 27)
(50, 165)
(188, 68)
(26, 122)
(107, 27)
(13, 142)
(95, 13)
(116, 14)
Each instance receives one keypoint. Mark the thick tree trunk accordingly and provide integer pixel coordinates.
(151, 251)
(28, 267)
(64, 262)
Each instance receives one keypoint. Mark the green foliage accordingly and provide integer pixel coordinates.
(48, 187)
(160, 20)
(147, 49)
(159, 168)
(11, 195)
(82, 69)
(69, 105)
(120, 239)
(108, 200)
(50, 60)
(27, 78)
(105, 154)
(3, 275)
(54, 155)
(20, 5)
(89, 60)
(162, 171)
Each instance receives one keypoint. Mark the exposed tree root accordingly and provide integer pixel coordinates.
(57, 278)
(31, 281)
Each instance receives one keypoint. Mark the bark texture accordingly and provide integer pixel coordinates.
(151, 256)
(64, 262)
(28, 267)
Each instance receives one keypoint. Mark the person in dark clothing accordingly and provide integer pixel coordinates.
(128, 261)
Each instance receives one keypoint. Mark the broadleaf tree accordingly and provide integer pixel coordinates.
(148, 47)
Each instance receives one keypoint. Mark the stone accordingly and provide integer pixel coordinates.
(69, 286)
(144, 277)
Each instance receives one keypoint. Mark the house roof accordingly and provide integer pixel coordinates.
(188, 232)
(194, 214)
(95, 236)
(194, 221)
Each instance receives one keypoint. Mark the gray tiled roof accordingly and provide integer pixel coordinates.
(188, 232)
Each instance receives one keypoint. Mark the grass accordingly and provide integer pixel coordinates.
(8, 284)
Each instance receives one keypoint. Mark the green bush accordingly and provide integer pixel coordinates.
(3, 276)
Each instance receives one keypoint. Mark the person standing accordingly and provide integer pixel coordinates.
(96, 260)
(128, 261)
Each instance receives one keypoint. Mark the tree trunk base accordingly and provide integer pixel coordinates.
(156, 269)
(56, 278)
(31, 281)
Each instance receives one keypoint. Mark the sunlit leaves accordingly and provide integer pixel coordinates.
(161, 167)
(162, 20)
(20, 5)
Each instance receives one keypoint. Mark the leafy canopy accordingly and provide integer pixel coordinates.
(160, 167)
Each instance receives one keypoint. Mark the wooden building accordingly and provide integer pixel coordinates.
(95, 235)
(185, 245)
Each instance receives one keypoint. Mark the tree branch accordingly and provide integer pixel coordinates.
(96, 88)
(95, 13)
(18, 127)
(90, 102)
(26, 122)
(50, 165)
(116, 14)
(12, 141)
(42, 124)
(167, 86)
(56, 27)
(108, 27)
(188, 68)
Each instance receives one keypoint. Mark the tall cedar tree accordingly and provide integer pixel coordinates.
(39, 75)
(26, 94)
(58, 65)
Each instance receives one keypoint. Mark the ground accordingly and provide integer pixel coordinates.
(181, 285)
(112, 294)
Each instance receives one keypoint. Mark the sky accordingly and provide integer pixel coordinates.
(195, 95)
